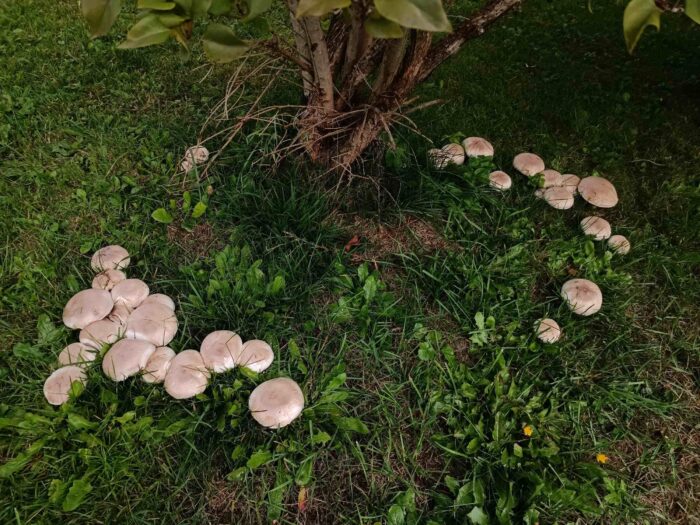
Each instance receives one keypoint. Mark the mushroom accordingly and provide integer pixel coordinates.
(131, 292)
(219, 350)
(187, 375)
(598, 191)
(100, 333)
(551, 178)
(276, 403)
(477, 147)
(500, 180)
(548, 331)
(539, 193)
(596, 227)
(582, 296)
(559, 197)
(87, 307)
(153, 322)
(256, 355)
(110, 258)
(194, 156)
(570, 182)
(126, 358)
(77, 354)
(619, 244)
(158, 364)
(160, 299)
(120, 313)
(528, 164)
(448, 154)
(57, 387)
(107, 279)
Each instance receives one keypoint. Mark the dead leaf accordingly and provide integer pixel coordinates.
(355, 241)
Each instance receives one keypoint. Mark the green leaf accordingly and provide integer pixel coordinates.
(351, 424)
(427, 15)
(157, 5)
(162, 215)
(256, 8)
(638, 15)
(320, 438)
(27, 351)
(199, 8)
(380, 27)
(237, 474)
(221, 45)
(100, 15)
(320, 7)
(76, 494)
(78, 422)
(304, 473)
(692, 9)
(199, 210)
(48, 333)
(146, 32)
(57, 491)
(220, 7)
(18, 463)
(478, 516)
(396, 515)
(258, 459)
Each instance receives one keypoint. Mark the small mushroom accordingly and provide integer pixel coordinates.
(194, 156)
(110, 258)
(477, 147)
(448, 154)
(87, 307)
(539, 193)
(100, 333)
(126, 358)
(500, 180)
(528, 164)
(120, 313)
(598, 191)
(131, 292)
(276, 403)
(582, 296)
(570, 182)
(548, 331)
(107, 279)
(551, 178)
(596, 227)
(187, 375)
(559, 197)
(158, 365)
(153, 322)
(77, 354)
(256, 355)
(160, 299)
(219, 350)
(57, 387)
(619, 244)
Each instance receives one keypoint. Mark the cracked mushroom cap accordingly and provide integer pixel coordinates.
(131, 292)
(153, 322)
(558, 197)
(160, 298)
(570, 182)
(551, 178)
(110, 258)
(87, 307)
(620, 244)
(57, 386)
(598, 191)
(107, 279)
(187, 375)
(276, 403)
(126, 358)
(99, 333)
(548, 331)
(596, 227)
(528, 164)
(500, 180)
(256, 355)
(158, 364)
(219, 350)
(77, 354)
(477, 147)
(582, 296)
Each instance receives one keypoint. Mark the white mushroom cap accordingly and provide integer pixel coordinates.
(548, 331)
(160, 299)
(198, 154)
(620, 244)
(559, 197)
(100, 333)
(500, 180)
(596, 227)
(256, 355)
(126, 358)
(598, 192)
(77, 354)
(131, 292)
(87, 307)
(528, 164)
(219, 350)
(187, 375)
(158, 365)
(152, 322)
(448, 154)
(551, 178)
(582, 296)
(477, 147)
(570, 182)
(110, 258)
(120, 313)
(57, 386)
(276, 403)
(107, 279)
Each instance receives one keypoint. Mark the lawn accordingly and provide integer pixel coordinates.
(428, 397)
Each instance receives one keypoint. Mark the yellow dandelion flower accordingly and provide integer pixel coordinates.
(527, 430)
(601, 458)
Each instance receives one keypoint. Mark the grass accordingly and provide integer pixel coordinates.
(415, 349)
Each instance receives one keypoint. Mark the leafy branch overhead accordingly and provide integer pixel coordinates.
(640, 14)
